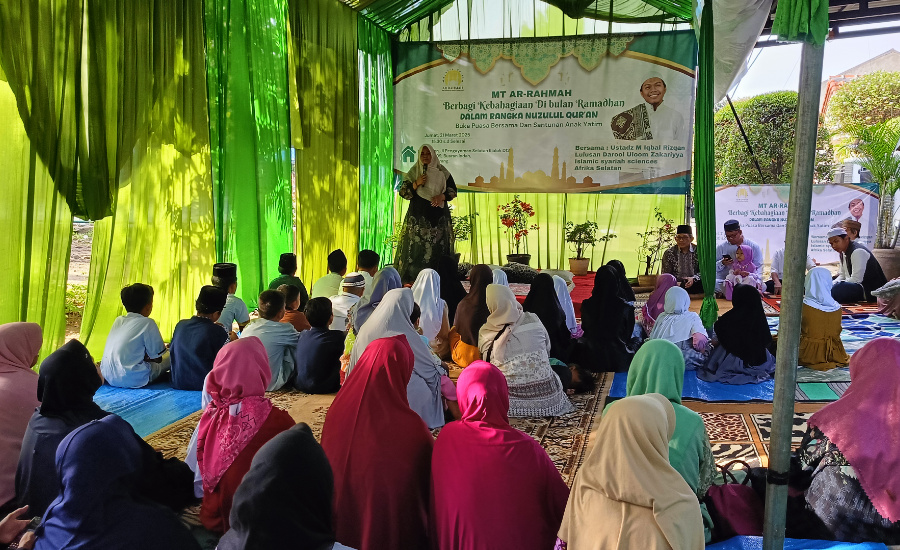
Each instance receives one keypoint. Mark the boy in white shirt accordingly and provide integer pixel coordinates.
(280, 339)
(135, 354)
(367, 266)
(225, 277)
(352, 288)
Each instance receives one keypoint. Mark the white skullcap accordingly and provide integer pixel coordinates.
(837, 232)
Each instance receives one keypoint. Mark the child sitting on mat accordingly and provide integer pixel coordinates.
(197, 340)
(448, 388)
(135, 354)
(319, 350)
(743, 271)
(235, 311)
(279, 339)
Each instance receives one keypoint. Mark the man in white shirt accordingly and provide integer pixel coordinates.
(367, 266)
(235, 310)
(652, 119)
(773, 285)
(135, 354)
(860, 271)
(279, 339)
(725, 252)
(352, 289)
(330, 284)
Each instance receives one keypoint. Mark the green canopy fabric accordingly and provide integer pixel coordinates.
(376, 138)
(704, 168)
(37, 227)
(325, 111)
(801, 21)
(249, 130)
(162, 232)
(627, 11)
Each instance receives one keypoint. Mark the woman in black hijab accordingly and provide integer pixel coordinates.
(625, 290)
(471, 315)
(67, 382)
(285, 500)
(542, 301)
(452, 290)
(742, 355)
(608, 323)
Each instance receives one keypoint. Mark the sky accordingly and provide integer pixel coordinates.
(778, 67)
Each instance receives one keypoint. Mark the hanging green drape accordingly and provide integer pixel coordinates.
(627, 11)
(325, 112)
(704, 168)
(246, 57)
(162, 232)
(624, 215)
(801, 21)
(37, 233)
(376, 138)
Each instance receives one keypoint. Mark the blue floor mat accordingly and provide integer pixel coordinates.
(707, 391)
(755, 543)
(150, 408)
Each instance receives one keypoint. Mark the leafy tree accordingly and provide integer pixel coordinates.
(868, 99)
(769, 121)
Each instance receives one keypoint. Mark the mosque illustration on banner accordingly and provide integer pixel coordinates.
(538, 180)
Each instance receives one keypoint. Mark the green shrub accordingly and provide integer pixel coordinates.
(75, 298)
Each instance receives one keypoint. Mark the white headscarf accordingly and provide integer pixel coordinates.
(818, 290)
(565, 301)
(500, 277)
(436, 178)
(505, 312)
(427, 293)
(391, 318)
(676, 323)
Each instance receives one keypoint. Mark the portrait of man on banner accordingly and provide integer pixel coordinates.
(651, 119)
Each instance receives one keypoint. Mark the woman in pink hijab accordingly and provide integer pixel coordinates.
(493, 487)
(851, 453)
(656, 304)
(20, 344)
(237, 422)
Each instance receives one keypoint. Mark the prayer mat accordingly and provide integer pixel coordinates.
(741, 431)
(755, 543)
(859, 329)
(773, 304)
(150, 408)
(567, 438)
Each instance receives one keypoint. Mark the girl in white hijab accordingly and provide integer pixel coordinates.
(517, 343)
(434, 320)
(390, 319)
(627, 495)
(565, 302)
(683, 328)
(500, 277)
(820, 325)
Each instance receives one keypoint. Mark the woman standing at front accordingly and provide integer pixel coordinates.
(427, 233)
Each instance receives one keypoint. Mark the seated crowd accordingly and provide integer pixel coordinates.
(379, 479)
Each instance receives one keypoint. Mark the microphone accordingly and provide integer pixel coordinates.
(424, 172)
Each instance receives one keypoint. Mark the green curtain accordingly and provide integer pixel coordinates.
(162, 232)
(37, 227)
(801, 20)
(627, 11)
(325, 111)
(704, 167)
(624, 215)
(249, 131)
(376, 138)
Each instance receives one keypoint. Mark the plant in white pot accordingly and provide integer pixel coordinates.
(514, 217)
(875, 148)
(581, 236)
(653, 242)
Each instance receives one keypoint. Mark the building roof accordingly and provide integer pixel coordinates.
(885, 61)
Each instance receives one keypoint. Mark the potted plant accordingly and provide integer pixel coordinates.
(581, 236)
(653, 243)
(514, 216)
(463, 227)
(875, 149)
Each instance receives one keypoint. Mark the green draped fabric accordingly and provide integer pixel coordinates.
(37, 233)
(162, 232)
(61, 99)
(249, 129)
(625, 215)
(325, 111)
(376, 138)
(627, 11)
(393, 15)
(801, 21)
(704, 168)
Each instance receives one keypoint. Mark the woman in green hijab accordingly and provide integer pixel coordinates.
(658, 367)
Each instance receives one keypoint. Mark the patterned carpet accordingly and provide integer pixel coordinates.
(859, 329)
(567, 438)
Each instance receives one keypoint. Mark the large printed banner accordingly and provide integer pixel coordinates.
(762, 211)
(583, 114)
